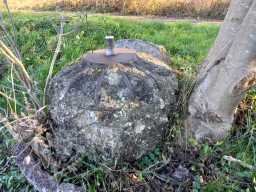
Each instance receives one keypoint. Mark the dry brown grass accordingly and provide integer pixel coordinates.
(194, 8)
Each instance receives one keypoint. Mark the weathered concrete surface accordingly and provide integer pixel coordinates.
(113, 111)
(156, 51)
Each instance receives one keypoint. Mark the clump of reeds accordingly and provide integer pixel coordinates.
(26, 121)
(22, 118)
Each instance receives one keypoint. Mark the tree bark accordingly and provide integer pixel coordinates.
(228, 72)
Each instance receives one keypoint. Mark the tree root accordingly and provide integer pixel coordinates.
(42, 181)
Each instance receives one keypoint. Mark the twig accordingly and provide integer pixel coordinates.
(9, 98)
(11, 19)
(24, 76)
(156, 164)
(57, 51)
(9, 54)
(241, 163)
(9, 39)
(14, 39)
(13, 90)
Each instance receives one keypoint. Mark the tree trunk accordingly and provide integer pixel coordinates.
(228, 72)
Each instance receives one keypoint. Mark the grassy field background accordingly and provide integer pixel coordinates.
(177, 8)
(187, 44)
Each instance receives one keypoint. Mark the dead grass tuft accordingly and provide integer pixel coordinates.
(190, 8)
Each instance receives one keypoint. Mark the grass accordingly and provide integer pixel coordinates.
(188, 45)
(191, 8)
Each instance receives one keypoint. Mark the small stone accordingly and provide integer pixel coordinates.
(181, 173)
(66, 187)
